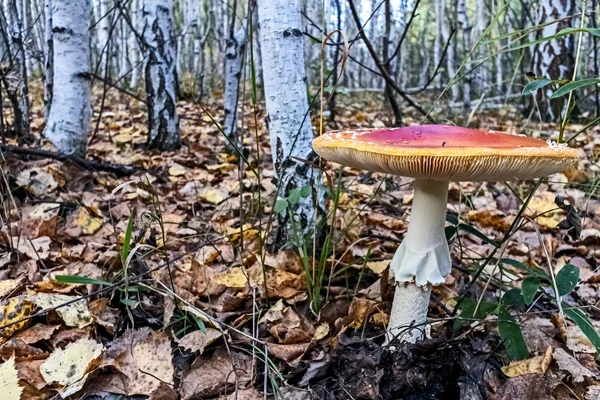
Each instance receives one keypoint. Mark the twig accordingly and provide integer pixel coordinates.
(118, 169)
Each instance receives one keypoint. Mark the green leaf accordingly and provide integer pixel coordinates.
(511, 335)
(514, 298)
(529, 288)
(566, 279)
(127, 241)
(467, 312)
(280, 206)
(294, 197)
(199, 322)
(475, 232)
(537, 272)
(535, 85)
(80, 280)
(584, 323)
(569, 87)
(305, 192)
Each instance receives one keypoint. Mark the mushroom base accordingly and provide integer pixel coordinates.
(421, 261)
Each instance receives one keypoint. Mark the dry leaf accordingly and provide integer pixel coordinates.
(7, 286)
(290, 353)
(40, 220)
(35, 249)
(147, 364)
(104, 315)
(234, 278)
(177, 170)
(537, 364)
(89, 223)
(198, 340)
(9, 381)
(69, 366)
(36, 333)
(16, 309)
(567, 362)
(37, 181)
(214, 196)
(74, 314)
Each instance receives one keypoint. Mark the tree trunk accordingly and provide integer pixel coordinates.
(257, 56)
(18, 90)
(289, 123)
(69, 118)
(389, 92)
(49, 60)
(463, 20)
(159, 35)
(103, 36)
(437, 44)
(451, 53)
(133, 45)
(553, 59)
(234, 55)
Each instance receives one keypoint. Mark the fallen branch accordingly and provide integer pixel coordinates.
(118, 169)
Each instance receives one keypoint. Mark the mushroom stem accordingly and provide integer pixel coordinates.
(421, 261)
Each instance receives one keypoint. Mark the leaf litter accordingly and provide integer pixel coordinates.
(207, 335)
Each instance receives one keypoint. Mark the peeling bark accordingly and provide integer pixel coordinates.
(234, 55)
(49, 60)
(161, 59)
(69, 119)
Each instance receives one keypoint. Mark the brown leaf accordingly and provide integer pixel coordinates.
(147, 364)
(567, 362)
(290, 353)
(104, 315)
(40, 220)
(198, 340)
(211, 376)
(537, 364)
(29, 371)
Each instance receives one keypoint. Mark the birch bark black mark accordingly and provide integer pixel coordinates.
(234, 55)
(286, 99)
(18, 88)
(48, 60)
(71, 111)
(553, 59)
(159, 36)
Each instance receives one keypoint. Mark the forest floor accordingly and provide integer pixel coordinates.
(154, 283)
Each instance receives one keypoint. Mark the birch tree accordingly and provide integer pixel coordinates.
(48, 59)
(69, 118)
(289, 126)
(17, 87)
(553, 59)
(161, 81)
(234, 55)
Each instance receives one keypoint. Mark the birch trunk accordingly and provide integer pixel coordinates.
(69, 118)
(48, 60)
(553, 59)
(289, 125)
(159, 35)
(257, 55)
(18, 91)
(103, 45)
(450, 54)
(463, 21)
(234, 55)
(133, 46)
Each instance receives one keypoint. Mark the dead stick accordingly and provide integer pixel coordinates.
(118, 169)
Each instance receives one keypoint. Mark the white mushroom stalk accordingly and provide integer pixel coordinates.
(421, 261)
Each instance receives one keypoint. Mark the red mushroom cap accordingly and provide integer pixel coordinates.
(444, 152)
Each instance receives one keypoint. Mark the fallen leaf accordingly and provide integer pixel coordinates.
(69, 365)
(35, 249)
(233, 278)
(36, 333)
(177, 170)
(290, 353)
(147, 364)
(74, 314)
(211, 376)
(9, 381)
(29, 371)
(198, 340)
(36, 181)
(89, 223)
(214, 196)
(40, 220)
(104, 315)
(568, 363)
(537, 364)
(592, 392)
(15, 310)
(8, 286)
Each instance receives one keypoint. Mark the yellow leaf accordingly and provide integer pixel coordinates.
(71, 364)
(9, 381)
(235, 234)
(214, 196)
(89, 223)
(122, 138)
(177, 170)
(537, 364)
(378, 266)
(235, 278)
(8, 285)
(74, 314)
(321, 332)
(17, 309)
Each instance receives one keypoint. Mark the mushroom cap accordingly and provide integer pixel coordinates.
(444, 152)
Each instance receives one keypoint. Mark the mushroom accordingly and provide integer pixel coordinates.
(435, 155)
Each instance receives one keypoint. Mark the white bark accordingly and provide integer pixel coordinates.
(450, 54)
(234, 55)
(103, 33)
(289, 123)
(161, 58)
(463, 20)
(422, 260)
(437, 44)
(257, 55)
(19, 91)
(48, 59)
(69, 118)
(133, 45)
